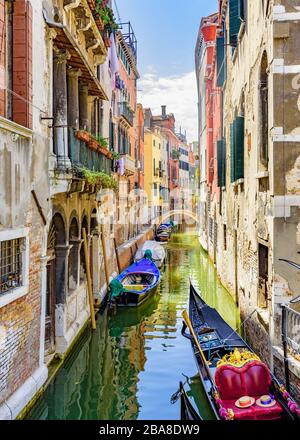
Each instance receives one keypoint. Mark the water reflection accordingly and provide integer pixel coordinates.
(131, 365)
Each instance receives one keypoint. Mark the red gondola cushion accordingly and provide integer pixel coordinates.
(254, 380)
(239, 413)
(271, 413)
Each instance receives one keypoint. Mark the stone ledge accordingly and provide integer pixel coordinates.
(14, 128)
(16, 403)
(294, 365)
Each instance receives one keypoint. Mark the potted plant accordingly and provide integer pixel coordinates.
(115, 155)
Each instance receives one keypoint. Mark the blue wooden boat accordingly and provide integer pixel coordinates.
(136, 284)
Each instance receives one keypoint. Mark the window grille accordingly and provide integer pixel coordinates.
(10, 264)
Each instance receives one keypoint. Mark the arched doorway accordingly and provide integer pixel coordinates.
(73, 264)
(95, 262)
(55, 278)
(82, 267)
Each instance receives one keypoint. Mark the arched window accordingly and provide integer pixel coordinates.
(264, 110)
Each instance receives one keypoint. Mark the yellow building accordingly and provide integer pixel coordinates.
(153, 170)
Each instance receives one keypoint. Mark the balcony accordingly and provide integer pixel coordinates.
(82, 153)
(128, 164)
(126, 113)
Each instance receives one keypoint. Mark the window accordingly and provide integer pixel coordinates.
(264, 107)
(221, 61)
(263, 268)
(237, 15)
(237, 131)
(10, 265)
(221, 160)
(16, 62)
(225, 237)
(14, 255)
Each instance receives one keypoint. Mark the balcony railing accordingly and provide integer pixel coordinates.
(83, 156)
(126, 112)
(129, 164)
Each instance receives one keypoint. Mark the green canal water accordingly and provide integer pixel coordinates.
(131, 365)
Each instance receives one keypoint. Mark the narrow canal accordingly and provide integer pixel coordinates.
(131, 365)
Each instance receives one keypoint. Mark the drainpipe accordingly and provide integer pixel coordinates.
(10, 63)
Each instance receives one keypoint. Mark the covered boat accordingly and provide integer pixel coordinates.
(136, 284)
(164, 231)
(238, 385)
(157, 251)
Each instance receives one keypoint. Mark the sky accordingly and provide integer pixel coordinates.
(167, 31)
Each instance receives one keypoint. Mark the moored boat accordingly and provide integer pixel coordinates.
(238, 385)
(164, 232)
(136, 284)
(157, 252)
(187, 411)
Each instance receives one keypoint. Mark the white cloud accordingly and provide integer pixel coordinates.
(178, 93)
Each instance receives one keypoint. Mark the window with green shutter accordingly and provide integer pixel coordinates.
(221, 61)
(237, 14)
(232, 152)
(237, 140)
(239, 147)
(221, 160)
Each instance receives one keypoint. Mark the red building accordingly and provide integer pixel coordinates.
(211, 30)
(167, 123)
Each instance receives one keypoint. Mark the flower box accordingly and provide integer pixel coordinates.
(93, 144)
(83, 136)
(103, 150)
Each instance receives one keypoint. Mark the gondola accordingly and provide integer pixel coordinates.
(238, 385)
(136, 284)
(187, 411)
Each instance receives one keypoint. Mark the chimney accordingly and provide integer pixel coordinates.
(164, 111)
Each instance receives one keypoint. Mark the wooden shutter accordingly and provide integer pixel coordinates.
(235, 12)
(221, 66)
(239, 147)
(232, 152)
(22, 63)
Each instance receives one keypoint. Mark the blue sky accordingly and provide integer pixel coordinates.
(166, 31)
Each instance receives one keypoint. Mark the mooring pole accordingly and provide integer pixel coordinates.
(117, 255)
(104, 255)
(285, 347)
(89, 279)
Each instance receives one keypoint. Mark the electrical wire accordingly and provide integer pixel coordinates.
(117, 10)
(23, 99)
